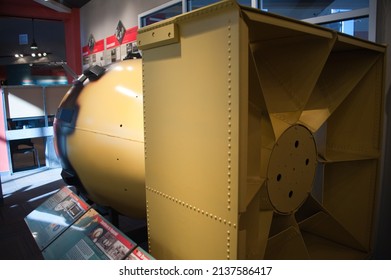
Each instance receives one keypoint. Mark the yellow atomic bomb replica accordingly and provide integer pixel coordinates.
(100, 137)
(240, 135)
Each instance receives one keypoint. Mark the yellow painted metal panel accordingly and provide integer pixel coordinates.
(192, 123)
(164, 35)
(226, 108)
(194, 233)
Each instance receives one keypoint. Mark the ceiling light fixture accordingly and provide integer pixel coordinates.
(34, 45)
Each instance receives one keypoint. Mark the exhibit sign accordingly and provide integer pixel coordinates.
(120, 44)
(92, 237)
(93, 53)
(54, 216)
(113, 50)
(128, 43)
(139, 254)
(65, 227)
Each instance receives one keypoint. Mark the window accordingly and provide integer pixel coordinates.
(356, 18)
(346, 16)
(302, 9)
(195, 4)
(245, 2)
(168, 10)
(355, 27)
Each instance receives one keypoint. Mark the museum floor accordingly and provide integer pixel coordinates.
(23, 192)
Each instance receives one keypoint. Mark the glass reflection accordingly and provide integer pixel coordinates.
(167, 12)
(303, 9)
(195, 4)
(354, 27)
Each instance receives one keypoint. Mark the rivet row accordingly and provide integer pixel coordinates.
(229, 117)
(192, 207)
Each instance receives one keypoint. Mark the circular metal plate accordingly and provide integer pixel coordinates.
(291, 169)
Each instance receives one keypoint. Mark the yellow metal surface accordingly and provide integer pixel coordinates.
(221, 107)
(197, 168)
(107, 145)
(164, 35)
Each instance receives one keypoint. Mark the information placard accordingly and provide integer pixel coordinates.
(92, 237)
(55, 215)
(139, 254)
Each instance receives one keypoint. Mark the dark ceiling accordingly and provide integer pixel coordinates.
(73, 3)
(49, 34)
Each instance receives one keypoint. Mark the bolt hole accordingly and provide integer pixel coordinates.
(307, 161)
(153, 34)
(279, 176)
(120, 125)
(290, 194)
(296, 143)
(169, 34)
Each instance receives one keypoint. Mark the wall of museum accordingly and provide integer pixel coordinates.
(100, 17)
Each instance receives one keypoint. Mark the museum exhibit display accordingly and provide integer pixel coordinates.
(65, 227)
(239, 135)
(54, 216)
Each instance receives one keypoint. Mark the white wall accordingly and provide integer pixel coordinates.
(100, 17)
